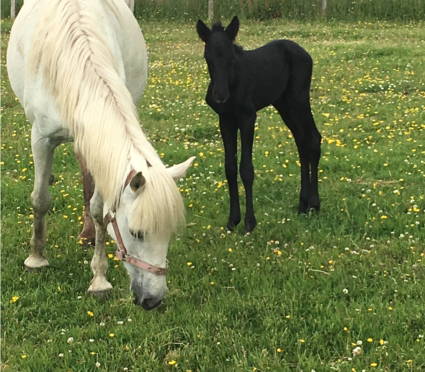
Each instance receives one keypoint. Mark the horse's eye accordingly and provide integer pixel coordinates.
(139, 235)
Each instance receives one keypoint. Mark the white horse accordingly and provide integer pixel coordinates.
(79, 67)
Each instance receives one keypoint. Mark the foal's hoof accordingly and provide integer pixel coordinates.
(231, 224)
(250, 225)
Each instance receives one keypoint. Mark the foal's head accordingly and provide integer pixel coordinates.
(220, 54)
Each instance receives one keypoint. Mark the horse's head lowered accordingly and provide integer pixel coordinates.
(220, 54)
(144, 248)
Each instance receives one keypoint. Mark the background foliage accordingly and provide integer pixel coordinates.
(287, 9)
(308, 10)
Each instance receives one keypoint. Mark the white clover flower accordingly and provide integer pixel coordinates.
(70, 340)
(357, 351)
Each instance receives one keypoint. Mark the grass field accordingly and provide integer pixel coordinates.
(301, 292)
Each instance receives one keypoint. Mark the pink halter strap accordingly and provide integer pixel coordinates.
(121, 253)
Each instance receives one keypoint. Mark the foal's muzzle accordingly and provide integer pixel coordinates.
(220, 96)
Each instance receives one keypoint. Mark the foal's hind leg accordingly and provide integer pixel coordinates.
(43, 151)
(89, 232)
(296, 112)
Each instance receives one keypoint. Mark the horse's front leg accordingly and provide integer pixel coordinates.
(247, 124)
(229, 133)
(99, 264)
(42, 150)
(87, 236)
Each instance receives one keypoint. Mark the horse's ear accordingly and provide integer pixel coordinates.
(179, 170)
(203, 31)
(137, 181)
(233, 28)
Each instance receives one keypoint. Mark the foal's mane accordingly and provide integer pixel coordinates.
(80, 72)
(218, 27)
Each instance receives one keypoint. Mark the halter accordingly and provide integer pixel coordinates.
(121, 253)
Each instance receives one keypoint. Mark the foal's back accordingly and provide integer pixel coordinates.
(266, 72)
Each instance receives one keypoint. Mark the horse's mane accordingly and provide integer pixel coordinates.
(80, 71)
(218, 27)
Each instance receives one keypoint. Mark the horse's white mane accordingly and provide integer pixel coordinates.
(80, 71)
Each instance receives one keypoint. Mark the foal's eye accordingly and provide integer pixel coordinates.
(137, 234)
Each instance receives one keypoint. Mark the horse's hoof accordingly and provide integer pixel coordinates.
(33, 269)
(35, 264)
(99, 287)
(100, 295)
(87, 242)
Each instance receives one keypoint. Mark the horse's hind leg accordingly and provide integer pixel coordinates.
(43, 151)
(87, 236)
(295, 110)
(99, 264)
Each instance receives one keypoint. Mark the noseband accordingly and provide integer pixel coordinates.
(121, 252)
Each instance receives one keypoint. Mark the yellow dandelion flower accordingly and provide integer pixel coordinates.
(14, 299)
(373, 364)
(90, 313)
(370, 339)
(111, 335)
(172, 362)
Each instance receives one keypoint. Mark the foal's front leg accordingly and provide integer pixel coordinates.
(247, 124)
(99, 284)
(229, 133)
(43, 151)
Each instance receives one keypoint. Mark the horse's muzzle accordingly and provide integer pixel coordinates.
(148, 303)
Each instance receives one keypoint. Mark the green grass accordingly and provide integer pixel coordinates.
(278, 299)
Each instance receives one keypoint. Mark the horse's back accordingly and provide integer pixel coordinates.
(117, 26)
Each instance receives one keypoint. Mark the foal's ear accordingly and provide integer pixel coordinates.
(137, 181)
(233, 28)
(203, 31)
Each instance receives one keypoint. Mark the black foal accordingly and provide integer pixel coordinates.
(243, 82)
